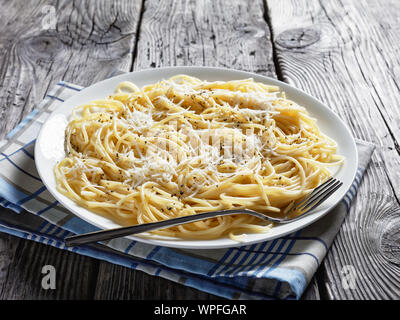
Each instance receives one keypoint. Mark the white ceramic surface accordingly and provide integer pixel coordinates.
(50, 148)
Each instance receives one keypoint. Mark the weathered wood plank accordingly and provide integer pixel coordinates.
(344, 53)
(21, 266)
(230, 34)
(312, 291)
(85, 44)
(125, 284)
(220, 33)
(316, 289)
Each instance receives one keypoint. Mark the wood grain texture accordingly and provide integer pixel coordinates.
(85, 45)
(21, 263)
(342, 52)
(312, 291)
(231, 34)
(119, 283)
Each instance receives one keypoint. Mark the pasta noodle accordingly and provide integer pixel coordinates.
(183, 146)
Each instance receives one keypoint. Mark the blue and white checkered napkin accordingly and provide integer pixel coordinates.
(281, 268)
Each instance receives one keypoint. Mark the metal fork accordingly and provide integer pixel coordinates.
(302, 209)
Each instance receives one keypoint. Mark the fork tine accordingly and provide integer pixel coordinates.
(315, 193)
(322, 197)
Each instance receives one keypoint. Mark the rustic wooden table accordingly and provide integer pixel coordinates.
(344, 52)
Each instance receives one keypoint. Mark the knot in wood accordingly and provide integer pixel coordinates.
(43, 46)
(390, 242)
(252, 31)
(298, 38)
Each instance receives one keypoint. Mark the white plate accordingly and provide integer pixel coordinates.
(50, 148)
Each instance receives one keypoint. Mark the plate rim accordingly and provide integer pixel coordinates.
(185, 243)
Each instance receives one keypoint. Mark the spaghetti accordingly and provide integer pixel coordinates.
(183, 146)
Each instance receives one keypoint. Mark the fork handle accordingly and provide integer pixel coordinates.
(103, 235)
